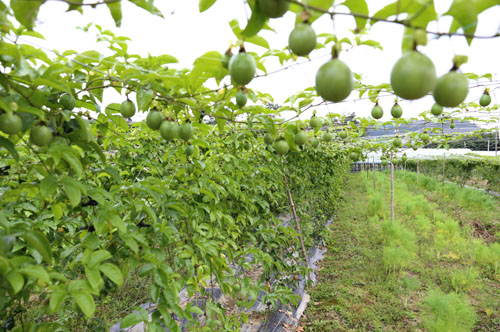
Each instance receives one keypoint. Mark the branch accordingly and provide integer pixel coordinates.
(80, 4)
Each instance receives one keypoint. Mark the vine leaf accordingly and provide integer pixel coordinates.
(9, 146)
(39, 242)
(205, 4)
(359, 7)
(26, 11)
(85, 302)
(115, 8)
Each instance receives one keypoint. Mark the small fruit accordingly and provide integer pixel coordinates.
(315, 142)
(315, 122)
(354, 156)
(396, 111)
(485, 99)
(413, 76)
(425, 137)
(68, 102)
(377, 112)
(268, 139)
(452, 125)
(302, 39)
(396, 142)
(385, 163)
(434, 141)
(437, 109)
(343, 134)
(281, 147)
(451, 89)
(404, 158)
(300, 138)
(189, 150)
(334, 81)
(273, 8)
(327, 137)
(127, 109)
(41, 135)
(169, 130)
(154, 119)
(186, 131)
(10, 123)
(241, 98)
(414, 147)
(242, 68)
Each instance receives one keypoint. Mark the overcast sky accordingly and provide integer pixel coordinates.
(187, 34)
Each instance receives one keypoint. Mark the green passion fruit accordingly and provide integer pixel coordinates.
(68, 102)
(327, 137)
(425, 137)
(404, 158)
(354, 156)
(186, 131)
(343, 134)
(334, 81)
(451, 89)
(189, 150)
(302, 39)
(281, 147)
(413, 76)
(10, 123)
(273, 8)
(396, 142)
(154, 119)
(437, 109)
(452, 125)
(169, 130)
(315, 122)
(127, 109)
(377, 112)
(396, 111)
(242, 68)
(385, 163)
(300, 138)
(268, 139)
(315, 142)
(41, 135)
(485, 99)
(241, 98)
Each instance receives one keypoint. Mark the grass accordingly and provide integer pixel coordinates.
(428, 271)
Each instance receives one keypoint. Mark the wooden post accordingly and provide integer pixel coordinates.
(373, 171)
(392, 189)
(418, 169)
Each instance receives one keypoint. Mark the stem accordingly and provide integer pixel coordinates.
(392, 189)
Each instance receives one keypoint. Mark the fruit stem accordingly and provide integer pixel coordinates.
(242, 49)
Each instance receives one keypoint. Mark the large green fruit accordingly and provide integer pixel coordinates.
(241, 98)
(281, 147)
(413, 76)
(273, 8)
(385, 163)
(189, 150)
(302, 39)
(334, 81)
(315, 142)
(485, 100)
(396, 111)
(10, 123)
(437, 109)
(268, 139)
(154, 119)
(327, 137)
(315, 122)
(242, 68)
(377, 112)
(396, 142)
(354, 156)
(343, 134)
(300, 138)
(169, 130)
(41, 135)
(68, 102)
(425, 137)
(451, 89)
(186, 131)
(127, 109)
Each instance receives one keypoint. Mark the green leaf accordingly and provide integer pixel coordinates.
(56, 84)
(26, 11)
(93, 277)
(85, 302)
(131, 320)
(98, 257)
(35, 271)
(72, 189)
(205, 4)
(48, 186)
(39, 242)
(9, 146)
(147, 5)
(358, 7)
(115, 8)
(57, 298)
(112, 272)
(257, 40)
(144, 98)
(254, 25)
(16, 281)
(72, 160)
(323, 4)
(464, 13)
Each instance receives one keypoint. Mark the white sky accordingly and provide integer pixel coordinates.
(187, 34)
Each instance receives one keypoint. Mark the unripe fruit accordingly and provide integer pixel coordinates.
(425, 138)
(334, 81)
(268, 139)
(396, 142)
(127, 109)
(437, 109)
(413, 76)
(452, 126)
(354, 156)
(302, 39)
(41, 135)
(154, 119)
(377, 112)
(186, 131)
(327, 137)
(281, 147)
(189, 150)
(169, 130)
(343, 134)
(451, 89)
(315, 122)
(315, 142)
(273, 8)
(404, 158)
(300, 138)
(68, 102)
(396, 111)
(485, 100)
(242, 68)
(10, 123)
(241, 98)
(385, 163)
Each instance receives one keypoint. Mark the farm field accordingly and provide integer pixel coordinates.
(436, 268)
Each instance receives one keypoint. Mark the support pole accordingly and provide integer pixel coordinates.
(373, 171)
(392, 189)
